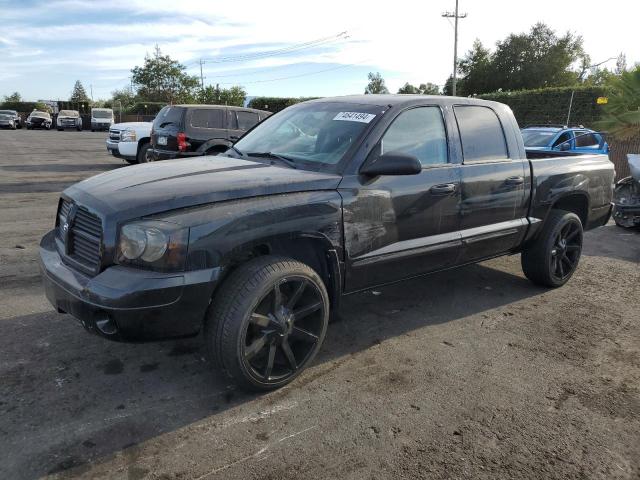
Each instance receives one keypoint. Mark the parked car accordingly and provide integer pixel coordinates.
(564, 139)
(329, 197)
(101, 119)
(38, 119)
(130, 141)
(10, 118)
(626, 210)
(69, 119)
(193, 130)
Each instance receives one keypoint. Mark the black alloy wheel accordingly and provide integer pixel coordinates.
(267, 321)
(283, 330)
(566, 250)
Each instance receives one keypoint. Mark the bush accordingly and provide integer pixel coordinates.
(275, 104)
(22, 107)
(551, 105)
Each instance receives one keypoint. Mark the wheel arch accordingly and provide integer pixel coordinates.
(575, 202)
(311, 248)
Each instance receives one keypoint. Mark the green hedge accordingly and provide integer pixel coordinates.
(551, 105)
(275, 104)
(21, 107)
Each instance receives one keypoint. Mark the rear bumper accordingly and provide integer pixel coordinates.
(159, 154)
(627, 215)
(128, 304)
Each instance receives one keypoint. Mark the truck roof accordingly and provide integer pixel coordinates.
(402, 99)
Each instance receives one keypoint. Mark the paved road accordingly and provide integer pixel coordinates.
(473, 373)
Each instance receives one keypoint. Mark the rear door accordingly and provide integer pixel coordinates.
(493, 204)
(204, 124)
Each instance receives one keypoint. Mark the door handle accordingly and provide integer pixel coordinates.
(443, 189)
(514, 181)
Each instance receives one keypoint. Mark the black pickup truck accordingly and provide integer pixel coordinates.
(256, 247)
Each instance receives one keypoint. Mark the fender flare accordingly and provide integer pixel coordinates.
(216, 142)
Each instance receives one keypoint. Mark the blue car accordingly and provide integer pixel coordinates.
(564, 139)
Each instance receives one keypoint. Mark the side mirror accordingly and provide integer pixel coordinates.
(563, 147)
(392, 163)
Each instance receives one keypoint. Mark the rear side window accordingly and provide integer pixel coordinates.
(207, 118)
(168, 116)
(246, 120)
(481, 134)
(419, 132)
(586, 140)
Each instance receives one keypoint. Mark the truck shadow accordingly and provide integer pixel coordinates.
(68, 398)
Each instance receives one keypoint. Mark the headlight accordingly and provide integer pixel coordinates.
(153, 244)
(128, 136)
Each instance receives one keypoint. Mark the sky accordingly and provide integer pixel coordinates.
(278, 48)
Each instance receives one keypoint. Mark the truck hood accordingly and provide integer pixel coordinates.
(141, 190)
(133, 125)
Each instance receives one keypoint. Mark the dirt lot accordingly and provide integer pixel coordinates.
(473, 373)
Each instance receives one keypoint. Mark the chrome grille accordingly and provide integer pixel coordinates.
(114, 135)
(82, 241)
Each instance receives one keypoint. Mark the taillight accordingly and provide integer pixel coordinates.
(182, 142)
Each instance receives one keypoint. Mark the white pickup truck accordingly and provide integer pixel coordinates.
(130, 141)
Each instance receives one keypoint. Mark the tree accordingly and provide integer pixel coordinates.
(622, 112)
(424, 89)
(536, 59)
(235, 95)
(376, 84)
(79, 94)
(162, 79)
(621, 64)
(14, 97)
(124, 98)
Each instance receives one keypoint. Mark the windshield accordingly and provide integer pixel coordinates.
(68, 113)
(537, 138)
(168, 116)
(317, 133)
(101, 113)
(40, 114)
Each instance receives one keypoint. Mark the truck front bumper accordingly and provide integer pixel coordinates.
(627, 215)
(128, 150)
(128, 304)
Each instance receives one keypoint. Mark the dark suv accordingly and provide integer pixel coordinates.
(193, 130)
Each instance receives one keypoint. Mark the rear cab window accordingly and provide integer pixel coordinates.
(481, 134)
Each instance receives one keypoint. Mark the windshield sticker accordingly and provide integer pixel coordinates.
(354, 117)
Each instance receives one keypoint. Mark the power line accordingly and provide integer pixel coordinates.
(299, 75)
(281, 51)
(456, 16)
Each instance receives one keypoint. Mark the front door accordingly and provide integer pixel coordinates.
(401, 226)
(493, 204)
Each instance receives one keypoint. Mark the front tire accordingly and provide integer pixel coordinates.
(553, 258)
(144, 155)
(267, 322)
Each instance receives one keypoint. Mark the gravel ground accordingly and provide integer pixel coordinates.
(472, 373)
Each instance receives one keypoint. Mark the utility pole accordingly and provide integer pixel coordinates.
(201, 76)
(91, 88)
(455, 16)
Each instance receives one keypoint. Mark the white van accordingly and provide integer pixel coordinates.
(101, 119)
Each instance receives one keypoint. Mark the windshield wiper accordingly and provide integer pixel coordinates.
(286, 160)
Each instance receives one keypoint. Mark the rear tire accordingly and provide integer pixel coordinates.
(267, 322)
(553, 258)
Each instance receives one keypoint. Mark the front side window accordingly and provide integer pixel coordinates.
(207, 118)
(563, 141)
(246, 120)
(481, 134)
(419, 132)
